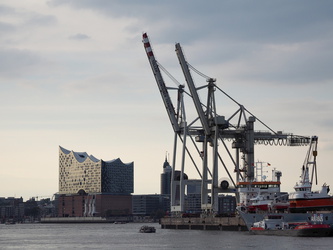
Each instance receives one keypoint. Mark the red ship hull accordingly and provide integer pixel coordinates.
(303, 205)
(306, 230)
(253, 208)
(265, 207)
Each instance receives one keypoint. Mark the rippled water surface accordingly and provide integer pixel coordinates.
(127, 236)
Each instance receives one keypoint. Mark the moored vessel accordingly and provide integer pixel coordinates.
(324, 217)
(274, 224)
(305, 206)
(304, 199)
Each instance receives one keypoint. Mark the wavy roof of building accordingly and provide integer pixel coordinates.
(79, 156)
(83, 156)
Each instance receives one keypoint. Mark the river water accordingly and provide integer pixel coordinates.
(127, 236)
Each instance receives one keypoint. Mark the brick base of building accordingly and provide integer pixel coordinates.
(94, 205)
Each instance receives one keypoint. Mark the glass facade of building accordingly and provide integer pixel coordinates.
(80, 171)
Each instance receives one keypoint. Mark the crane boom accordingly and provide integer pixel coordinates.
(161, 84)
(193, 90)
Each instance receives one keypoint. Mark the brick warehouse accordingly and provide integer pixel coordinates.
(100, 205)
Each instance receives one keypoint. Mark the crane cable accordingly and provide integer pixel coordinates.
(168, 74)
(198, 72)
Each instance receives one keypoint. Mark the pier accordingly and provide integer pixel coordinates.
(208, 223)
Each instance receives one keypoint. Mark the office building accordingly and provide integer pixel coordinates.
(150, 204)
(193, 196)
(226, 205)
(11, 209)
(166, 178)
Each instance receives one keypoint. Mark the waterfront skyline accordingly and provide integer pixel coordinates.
(74, 73)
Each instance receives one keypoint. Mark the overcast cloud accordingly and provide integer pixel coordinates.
(74, 73)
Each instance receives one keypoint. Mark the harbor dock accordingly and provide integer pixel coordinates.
(208, 223)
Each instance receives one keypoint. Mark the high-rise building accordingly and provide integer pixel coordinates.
(80, 171)
(166, 178)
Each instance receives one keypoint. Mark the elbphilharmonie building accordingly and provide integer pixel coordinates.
(80, 171)
(89, 186)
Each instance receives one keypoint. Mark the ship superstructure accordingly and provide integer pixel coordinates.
(305, 205)
(262, 194)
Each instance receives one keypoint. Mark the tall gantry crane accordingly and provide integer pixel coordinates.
(205, 137)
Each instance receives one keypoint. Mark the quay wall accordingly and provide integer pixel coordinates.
(85, 220)
(74, 220)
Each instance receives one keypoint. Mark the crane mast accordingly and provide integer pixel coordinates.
(311, 156)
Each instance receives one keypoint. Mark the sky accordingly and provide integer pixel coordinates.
(74, 73)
